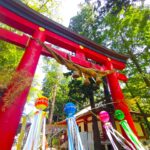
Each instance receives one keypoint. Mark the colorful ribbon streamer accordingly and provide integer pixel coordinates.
(74, 139)
(120, 116)
(21, 136)
(112, 133)
(131, 135)
(33, 139)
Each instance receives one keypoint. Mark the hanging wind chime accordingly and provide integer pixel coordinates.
(120, 116)
(38, 125)
(74, 139)
(112, 133)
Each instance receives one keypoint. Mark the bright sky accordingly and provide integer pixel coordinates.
(69, 9)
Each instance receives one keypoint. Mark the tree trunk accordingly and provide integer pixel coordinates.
(96, 132)
(52, 104)
(110, 108)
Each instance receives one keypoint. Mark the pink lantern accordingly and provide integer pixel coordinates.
(104, 116)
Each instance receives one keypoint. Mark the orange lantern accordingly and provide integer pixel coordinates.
(41, 103)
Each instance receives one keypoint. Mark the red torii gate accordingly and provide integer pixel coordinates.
(20, 17)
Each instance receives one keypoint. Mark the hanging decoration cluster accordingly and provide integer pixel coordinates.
(112, 133)
(79, 71)
(74, 139)
(120, 116)
(38, 125)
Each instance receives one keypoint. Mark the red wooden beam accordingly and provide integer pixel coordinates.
(26, 26)
(75, 59)
(19, 40)
(29, 14)
(122, 77)
(22, 41)
(17, 22)
(69, 45)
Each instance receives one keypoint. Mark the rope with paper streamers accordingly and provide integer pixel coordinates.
(78, 70)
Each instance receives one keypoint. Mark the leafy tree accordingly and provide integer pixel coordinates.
(103, 7)
(9, 59)
(127, 33)
(46, 7)
(55, 88)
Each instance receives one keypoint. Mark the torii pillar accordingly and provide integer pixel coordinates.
(9, 119)
(117, 95)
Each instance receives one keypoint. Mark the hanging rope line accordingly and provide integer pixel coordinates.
(22, 82)
(86, 72)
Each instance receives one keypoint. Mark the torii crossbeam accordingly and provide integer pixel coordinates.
(19, 16)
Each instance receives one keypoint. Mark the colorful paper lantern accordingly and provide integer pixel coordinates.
(119, 114)
(112, 133)
(70, 109)
(41, 103)
(104, 116)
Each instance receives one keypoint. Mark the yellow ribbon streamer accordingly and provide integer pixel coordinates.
(21, 136)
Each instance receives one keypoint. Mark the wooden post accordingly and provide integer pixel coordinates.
(118, 96)
(10, 117)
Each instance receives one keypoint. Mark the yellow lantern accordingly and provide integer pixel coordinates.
(41, 103)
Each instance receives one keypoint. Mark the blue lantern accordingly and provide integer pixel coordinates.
(70, 109)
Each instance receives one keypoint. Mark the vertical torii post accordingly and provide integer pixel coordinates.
(9, 119)
(118, 96)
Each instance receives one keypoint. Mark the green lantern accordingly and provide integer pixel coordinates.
(119, 114)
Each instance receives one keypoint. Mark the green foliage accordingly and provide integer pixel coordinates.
(46, 7)
(9, 59)
(54, 76)
(85, 24)
(126, 30)
(80, 93)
